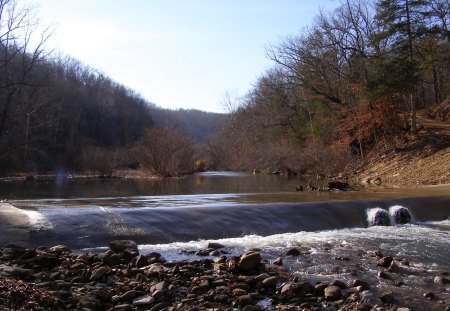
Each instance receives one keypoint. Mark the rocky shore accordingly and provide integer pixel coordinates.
(122, 279)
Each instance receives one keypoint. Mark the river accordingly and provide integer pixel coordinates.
(178, 217)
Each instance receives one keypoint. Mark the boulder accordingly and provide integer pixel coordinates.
(332, 293)
(119, 246)
(385, 261)
(214, 245)
(99, 273)
(250, 260)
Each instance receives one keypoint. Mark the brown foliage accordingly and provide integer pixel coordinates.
(165, 152)
(370, 123)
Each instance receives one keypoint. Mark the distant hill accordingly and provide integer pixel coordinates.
(196, 123)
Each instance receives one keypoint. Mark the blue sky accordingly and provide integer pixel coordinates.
(177, 54)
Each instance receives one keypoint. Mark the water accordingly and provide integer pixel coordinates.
(335, 230)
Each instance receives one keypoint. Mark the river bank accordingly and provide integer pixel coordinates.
(122, 279)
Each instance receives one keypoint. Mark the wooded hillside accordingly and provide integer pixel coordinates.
(348, 85)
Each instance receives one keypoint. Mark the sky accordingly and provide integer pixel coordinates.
(177, 53)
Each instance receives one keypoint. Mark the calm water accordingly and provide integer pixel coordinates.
(244, 211)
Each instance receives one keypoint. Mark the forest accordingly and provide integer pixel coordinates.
(347, 85)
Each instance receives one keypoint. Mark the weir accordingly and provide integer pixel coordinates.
(89, 223)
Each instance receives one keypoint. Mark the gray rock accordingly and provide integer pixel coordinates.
(131, 294)
(360, 283)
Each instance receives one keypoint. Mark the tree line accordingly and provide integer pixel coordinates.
(59, 115)
(346, 85)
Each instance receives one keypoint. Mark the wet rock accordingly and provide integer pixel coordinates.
(278, 261)
(250, 260)
(123, 307)
(119, 246)
(103, 294)
(159, 306)
(360, 283)
(339, 185)
(214, 245)
(239, 292)
(401, 215)
(332, 293)
(215, 253)
(393, 267)
(429, 295)
(387, 297)
(112, 259)
(319, 289)
(441, 280)
(384, 275)
(385, 261)
(293, 252)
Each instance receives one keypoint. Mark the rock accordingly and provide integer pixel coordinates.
(339, 284)
(141, 261)
(251, 308)
(123, 307)
(245, 300)
(332, 293)
(319, 289)
(387, 297)
(393, 268)
(249, 261)
(143, 301)
(360, 283)
(401, 215)
(160, 306)
(239, 292)
(429, 295)
(293, 252)
(377, 181)
(441, 280)
(99, 273)
(384, 275)
(385, 261)
(214, 245)
(60, 249)
(112, 259)
(103, 294)
(278, 261)
(131, 294)
(270, 281)
(21, 273)
(119, 246)
(215, 253)
(47, 261)
(339, 185)
(381, 217)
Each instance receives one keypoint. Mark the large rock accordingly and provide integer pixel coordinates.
(332, 293)
(119, 246)
(250, 260)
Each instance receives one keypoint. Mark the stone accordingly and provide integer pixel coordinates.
(251, 308)
(360, 283)
(278, 261)
(47, 261)
(385, 261)
(239, 292)
(99, 273)
(214, 245)
(441, 280)
(245, 300)
(293, 252)
(141, 261)
(249, 261)
(21, 273)
(131, 294)
(384, 275)
(270, 281)
(143, 301)
(387, 297)
(339, 284)
(103, 294)
(112, 259)
(119, 246)
(60, 249)
(332, 293)
(429, 295)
